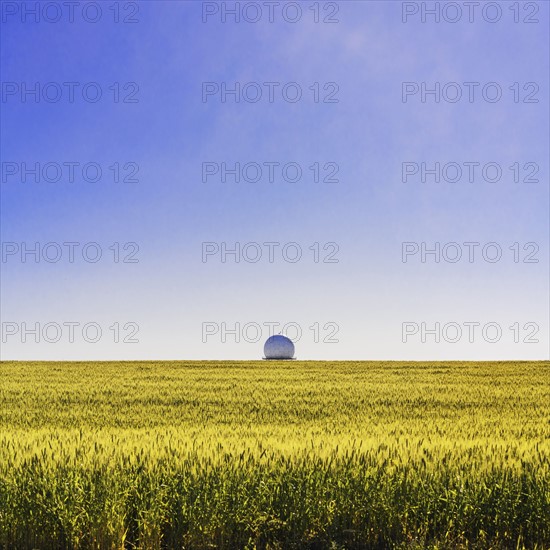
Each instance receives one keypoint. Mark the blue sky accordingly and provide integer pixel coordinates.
(170, 293)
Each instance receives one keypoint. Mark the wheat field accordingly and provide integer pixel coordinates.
(273, 455)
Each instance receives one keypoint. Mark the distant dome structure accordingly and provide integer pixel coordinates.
(279, 347)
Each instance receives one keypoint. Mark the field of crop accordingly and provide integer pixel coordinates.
(275, 455)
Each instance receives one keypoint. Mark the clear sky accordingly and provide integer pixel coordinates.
(163, 128)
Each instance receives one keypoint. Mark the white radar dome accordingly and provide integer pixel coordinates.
(279, 347)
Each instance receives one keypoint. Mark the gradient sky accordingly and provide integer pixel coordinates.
(169, 293)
